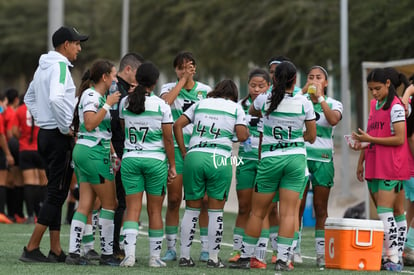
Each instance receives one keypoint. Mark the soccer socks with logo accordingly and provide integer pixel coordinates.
(106, 230)
(122, 237)
(248, 247)
(402, 233)
(204, 239)
(188, 229)
(390, 233)
(76, 232)
(284, 248)
(238, 234)
(215, 233)
(273, 232)
(295, 241)
(261, 247)
(87, 239)
(171, 237)
(95, 219)
(320, 242)
(155, 241)
(299, 240)
(130, 240)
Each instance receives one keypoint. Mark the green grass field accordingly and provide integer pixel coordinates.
(14, 237)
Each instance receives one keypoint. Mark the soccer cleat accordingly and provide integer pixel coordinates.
(391, 266)
(297, 258)
(258, 264)
(92, 255)
(156, 262)
(408, 256)
(218, 264)
(235, 255)
(274, 257)
(76, 259)
(203, 256)
(242, 263)
(283, 266)
(5, 219)
(33, 256)
(53, 258)
(109, 260)
(19, 219)
(128, 261)
(320, 260)
(186, 262)
(170, 255)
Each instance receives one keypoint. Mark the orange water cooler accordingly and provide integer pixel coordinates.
(353, 244)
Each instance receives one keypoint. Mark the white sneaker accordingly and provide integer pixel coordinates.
(156, 262)
(128, 261)
(297, 258)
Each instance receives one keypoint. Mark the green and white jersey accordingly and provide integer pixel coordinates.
(252, 123)
(214, 122)
(185, 100)
(323, 148)
(143, 132)
(283, 128)
(92, 101)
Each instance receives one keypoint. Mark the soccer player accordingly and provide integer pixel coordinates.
(181, 95)
(91, 156)
(149, 141)
(207, 164)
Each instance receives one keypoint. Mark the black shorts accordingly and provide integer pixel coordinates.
(31, 160)
(3, 160)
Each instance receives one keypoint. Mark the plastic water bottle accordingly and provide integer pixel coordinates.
(308, 213)
(112, 89)
(247, 145)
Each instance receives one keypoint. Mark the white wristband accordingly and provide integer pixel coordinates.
(321, 99)
(106, 107)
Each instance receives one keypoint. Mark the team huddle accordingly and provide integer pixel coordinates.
(181, 142)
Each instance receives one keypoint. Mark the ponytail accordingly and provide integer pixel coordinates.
(147, 75)
(136, 100)
(284, 78)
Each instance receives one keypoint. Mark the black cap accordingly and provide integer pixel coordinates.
(67, 34)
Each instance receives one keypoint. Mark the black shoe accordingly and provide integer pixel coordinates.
(219, 264)
(241, 263)
(33, 256)
(283, 266)
(109, 260)
(76, 259)
(92, 255)
(53, 258)
(186, 262)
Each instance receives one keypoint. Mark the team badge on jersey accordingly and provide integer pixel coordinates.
(200, 95)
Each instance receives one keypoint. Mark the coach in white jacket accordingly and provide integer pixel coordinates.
(51, 100)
